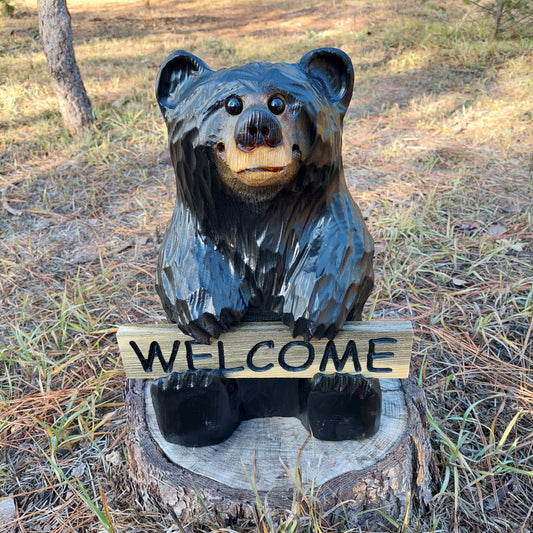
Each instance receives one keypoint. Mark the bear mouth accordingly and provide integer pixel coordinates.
(262, 169)
(263, 166)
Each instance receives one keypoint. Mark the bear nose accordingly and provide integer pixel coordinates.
(257, 127)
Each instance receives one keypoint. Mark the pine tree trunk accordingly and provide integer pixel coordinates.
(56, 37)
(498, 15)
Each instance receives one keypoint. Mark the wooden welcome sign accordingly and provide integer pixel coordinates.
(267, 349)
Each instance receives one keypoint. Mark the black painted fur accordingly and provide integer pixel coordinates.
(291, 246)
(298, 252)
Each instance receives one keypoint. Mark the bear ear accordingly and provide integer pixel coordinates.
(334, 69)
(177, 69)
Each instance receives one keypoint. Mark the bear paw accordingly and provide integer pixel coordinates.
(343, 407)
(195, 408)
(208, 326)
(308, 329)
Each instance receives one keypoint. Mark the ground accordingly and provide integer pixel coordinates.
(438, 151)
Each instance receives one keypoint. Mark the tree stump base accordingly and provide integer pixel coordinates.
(274, 456)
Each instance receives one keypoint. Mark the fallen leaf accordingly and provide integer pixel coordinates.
(458, 282)
(119, 102)
(78, 470)
(495, 230)
(8, 515)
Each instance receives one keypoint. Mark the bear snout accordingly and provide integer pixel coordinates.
(257, 127)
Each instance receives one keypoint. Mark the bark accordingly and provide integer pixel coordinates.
(56, 37)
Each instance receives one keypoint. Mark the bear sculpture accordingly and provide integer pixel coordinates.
(264, 228)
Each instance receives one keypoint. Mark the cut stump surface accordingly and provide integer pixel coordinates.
(385, 471)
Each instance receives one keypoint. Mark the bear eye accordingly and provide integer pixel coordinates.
(234, 105)
(276, 104)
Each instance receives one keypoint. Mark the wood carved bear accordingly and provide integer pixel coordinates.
(264, 228)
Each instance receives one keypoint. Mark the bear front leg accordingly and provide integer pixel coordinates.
(331, 277)
(343, 407)
(200, 288)
(195, 408)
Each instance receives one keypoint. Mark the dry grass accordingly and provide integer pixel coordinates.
(438, 145)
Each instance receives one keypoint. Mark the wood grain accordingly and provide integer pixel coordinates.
(285, 441)
(389, 471)
(378, 349)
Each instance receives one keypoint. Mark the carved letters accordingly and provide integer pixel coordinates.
(259, 350)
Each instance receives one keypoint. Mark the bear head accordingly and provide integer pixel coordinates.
(253, 130)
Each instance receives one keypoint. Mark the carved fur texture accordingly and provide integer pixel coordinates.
(264, 224)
